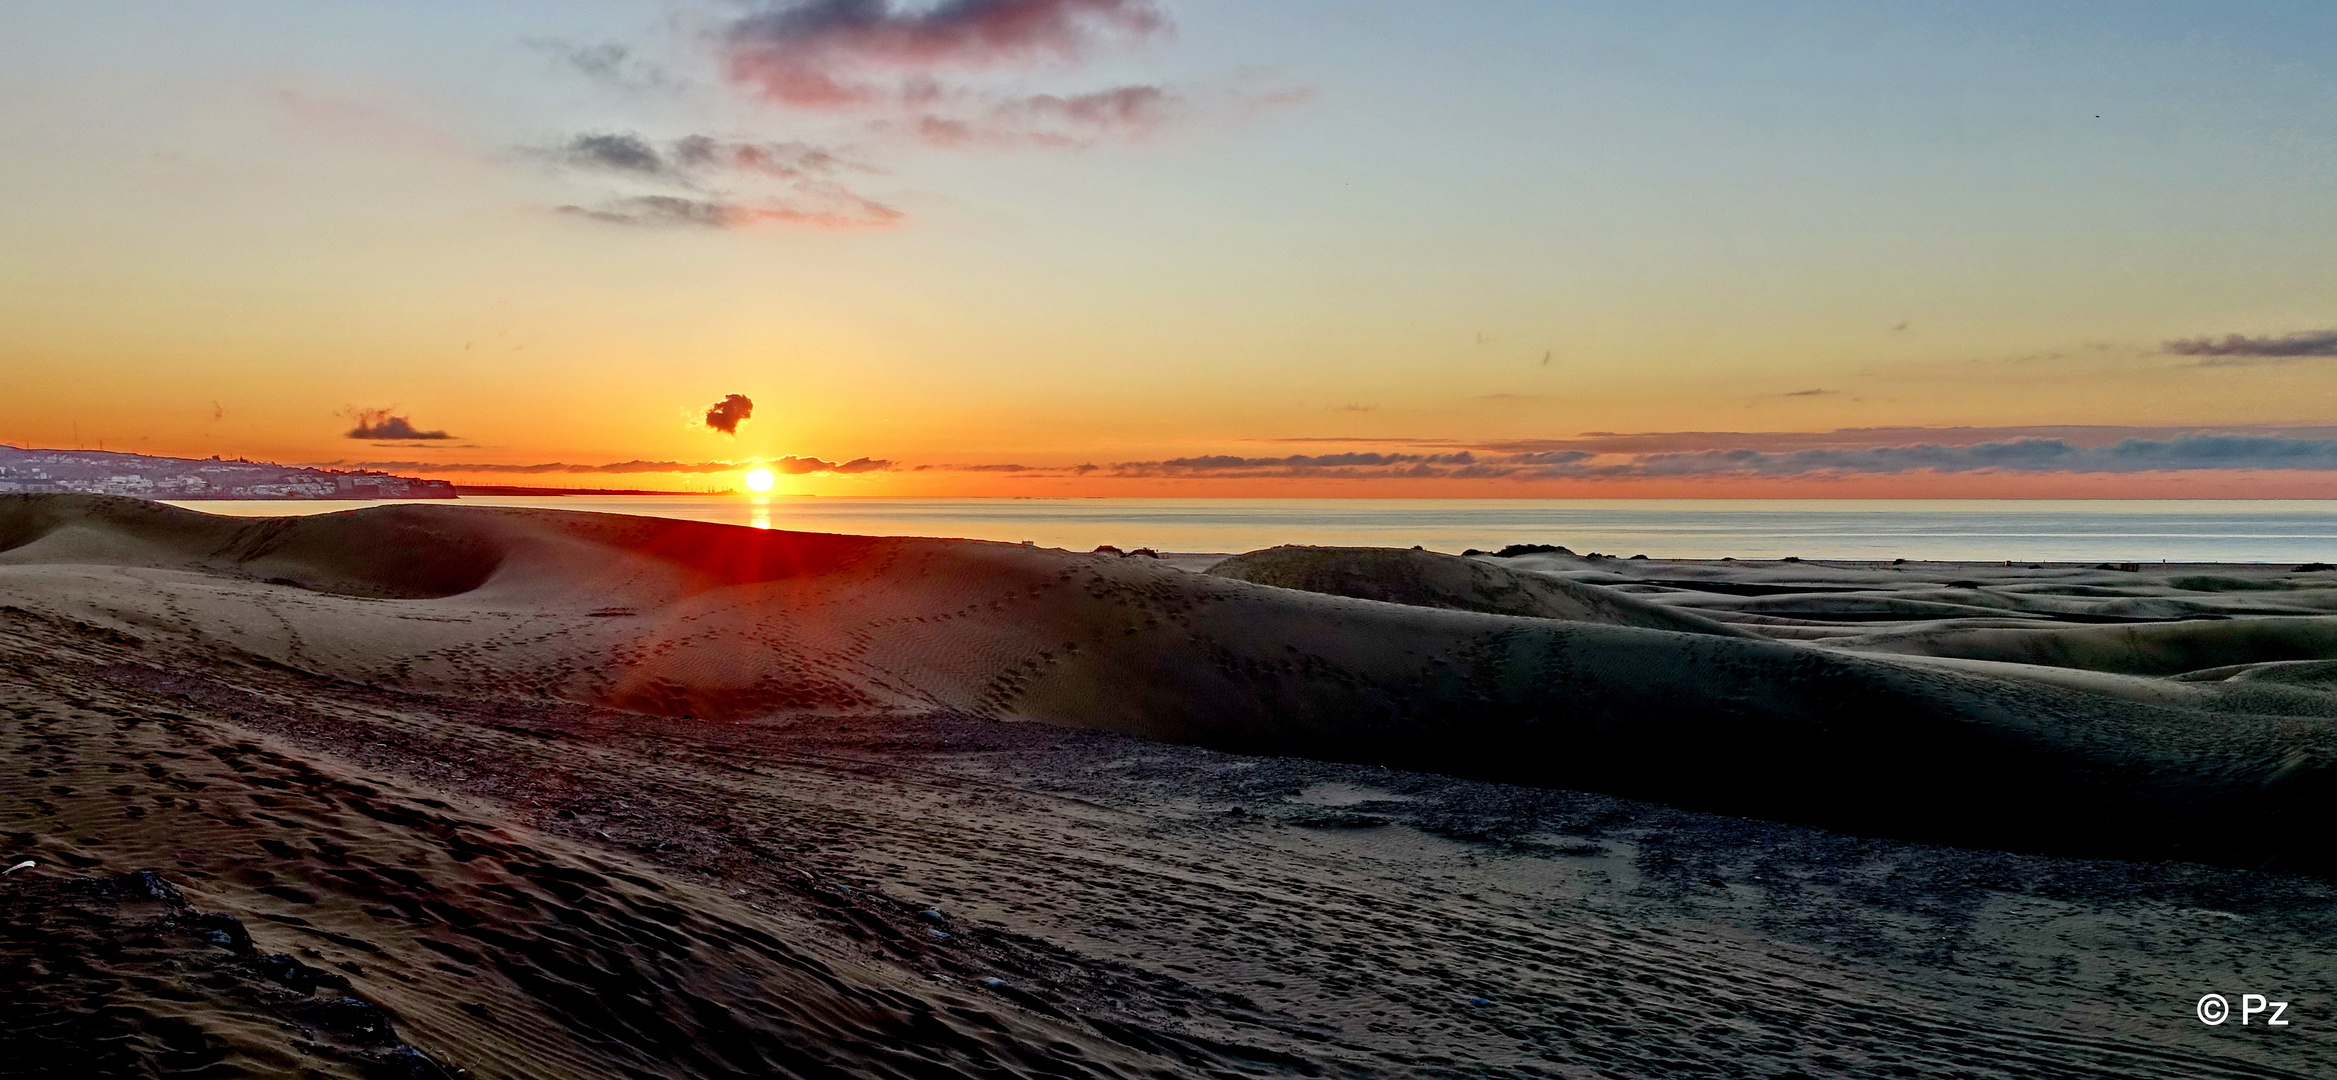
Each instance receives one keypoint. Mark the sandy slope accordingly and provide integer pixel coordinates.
(518, 952)
(542, 889)
(1431, 579)
(460, 761)
(686, 619)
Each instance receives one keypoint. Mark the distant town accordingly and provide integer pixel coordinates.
(99, 472)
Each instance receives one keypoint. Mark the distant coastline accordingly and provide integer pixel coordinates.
(28, 470)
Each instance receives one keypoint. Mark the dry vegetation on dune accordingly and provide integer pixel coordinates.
(626, 796)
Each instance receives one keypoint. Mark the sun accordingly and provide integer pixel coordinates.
(759, 480)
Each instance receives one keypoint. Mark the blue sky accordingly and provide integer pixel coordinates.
(1375, 221)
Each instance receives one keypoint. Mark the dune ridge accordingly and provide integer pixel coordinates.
(1432, 579)
(686, 619)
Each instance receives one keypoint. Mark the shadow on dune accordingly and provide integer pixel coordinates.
(388, 551)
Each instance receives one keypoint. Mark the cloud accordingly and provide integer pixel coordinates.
(727, 414)
(1123, 108)
(1608, 442)
(691, 158)
(781, 159)
(790, 464)
(823, 53)
(951, 74)
(1724, 455)
(619, 153)
(690, 164)
(2234, 350)
(905, 67)
(1048, 120)
(610, 64)
(2188, 452)
(1356, 465)
(663, 210)
(379, 425)
(673, 210)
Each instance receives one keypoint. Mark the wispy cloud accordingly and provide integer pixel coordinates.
(616, 153)
(1125, 107)
(671, 210)
(961, 75)
(1711, 455)
(1647, 442)
(661, 210)
(694, 158)
(611, 64)
(794, 465)
(2183, 453)
(693, 164)
(834, 53)
(790, 464)
(913, 71)
(2235, 350)
(1046, 120)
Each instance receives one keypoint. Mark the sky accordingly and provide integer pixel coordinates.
(1185, 247)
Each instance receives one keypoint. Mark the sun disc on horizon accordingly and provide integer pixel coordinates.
(759, 480)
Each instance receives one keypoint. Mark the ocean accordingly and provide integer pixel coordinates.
(1948, 530)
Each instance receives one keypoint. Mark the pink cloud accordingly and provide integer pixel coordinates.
(819, 53)
(1050, 120)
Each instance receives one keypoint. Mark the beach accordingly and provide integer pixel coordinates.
(504, 791)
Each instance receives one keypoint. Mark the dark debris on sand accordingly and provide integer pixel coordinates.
(121, 976)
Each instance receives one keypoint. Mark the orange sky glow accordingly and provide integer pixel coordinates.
(1203, 249)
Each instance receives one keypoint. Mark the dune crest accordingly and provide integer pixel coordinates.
(693, 620)
(1431, 579)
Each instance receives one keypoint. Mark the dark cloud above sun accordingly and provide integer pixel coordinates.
(727, 414)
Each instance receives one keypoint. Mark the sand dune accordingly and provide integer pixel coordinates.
(1430, 579)
(521, 792)
(685, 619)
(2149, 649)
(297, 919)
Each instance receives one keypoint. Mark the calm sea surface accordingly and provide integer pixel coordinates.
(2057, 531)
